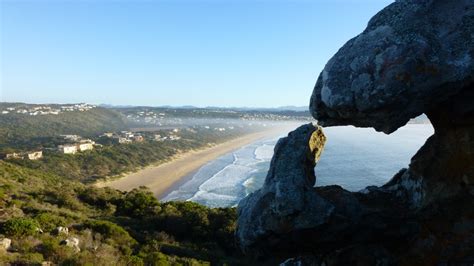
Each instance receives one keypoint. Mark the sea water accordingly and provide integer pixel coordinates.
(352, 158)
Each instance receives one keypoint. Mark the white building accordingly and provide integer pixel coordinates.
(35, 155)
(13, 156)
(68, 149)
(108, 134)
(85, 146)
(124, 140)
(173, 137)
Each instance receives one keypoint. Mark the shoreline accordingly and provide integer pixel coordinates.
(166, 177)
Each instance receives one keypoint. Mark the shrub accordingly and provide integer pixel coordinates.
(100, 197)
(48, 247)
(134, 261)
(52, 250)
(159, 259)
(49, 221)
(30, 259)
(21, 226)
(114, 233)
(63, 198)
(138, 203)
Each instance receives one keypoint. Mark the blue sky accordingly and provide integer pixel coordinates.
(203, 53)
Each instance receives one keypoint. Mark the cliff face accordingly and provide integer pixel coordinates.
(414, 57)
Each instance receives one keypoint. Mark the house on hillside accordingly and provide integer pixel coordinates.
(68, 149)
(124, 140)
(85, 146)
(138, 138)
(34, 155)
(13, 155)
(174, 137)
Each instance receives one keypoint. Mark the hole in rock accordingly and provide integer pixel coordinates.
(355, 158)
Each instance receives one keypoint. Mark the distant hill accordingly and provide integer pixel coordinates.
(260, 109)
(216, 112)
(293, 108)
(18, 121)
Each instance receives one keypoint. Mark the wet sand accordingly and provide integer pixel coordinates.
(162, 178)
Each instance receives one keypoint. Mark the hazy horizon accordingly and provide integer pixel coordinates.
(161, 106)
(202, 53)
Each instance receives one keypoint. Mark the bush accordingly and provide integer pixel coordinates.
(21, 226)
(30, 259)
(64, 198)
(138, 203)
(116, 234)
(134, 261)
(159, 259)
(49, 221)
(100, 197)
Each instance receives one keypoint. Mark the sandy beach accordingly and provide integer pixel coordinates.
(162, 178)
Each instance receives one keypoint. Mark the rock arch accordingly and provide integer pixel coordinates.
(414, 57)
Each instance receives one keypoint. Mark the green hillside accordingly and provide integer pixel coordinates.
(16, 127)
(112, 227)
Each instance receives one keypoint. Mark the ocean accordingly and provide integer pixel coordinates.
(353, 158)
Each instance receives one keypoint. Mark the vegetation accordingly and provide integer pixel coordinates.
(20, 226)
(18, 130)
(113, 227)
(114, 159)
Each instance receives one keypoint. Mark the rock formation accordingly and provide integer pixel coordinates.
(72, 242)
(5, 244)
(414, 57)
(286, 201)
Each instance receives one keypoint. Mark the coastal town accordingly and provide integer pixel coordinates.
(34, 110)
(75, 143)
(161, 116)
(70, 129)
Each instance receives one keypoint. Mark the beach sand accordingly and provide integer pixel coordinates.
(164, 178)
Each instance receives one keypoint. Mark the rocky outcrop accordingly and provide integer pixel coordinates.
(328, 225)
(61, 230)
(286, 202)
(414, 57)
(72, 242)
(5, 244)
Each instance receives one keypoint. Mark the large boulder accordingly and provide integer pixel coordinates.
(414, 57)
(286, 202)
(61, 230)
(5, 244)
(72, 242)
(385, 225)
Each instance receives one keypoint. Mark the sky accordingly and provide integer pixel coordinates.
(225, 53)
